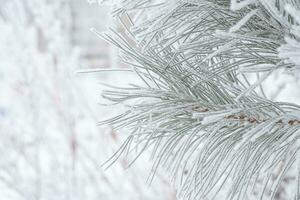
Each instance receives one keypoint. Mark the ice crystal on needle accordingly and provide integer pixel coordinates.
(205, 64)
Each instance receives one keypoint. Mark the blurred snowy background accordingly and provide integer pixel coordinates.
(50, 145)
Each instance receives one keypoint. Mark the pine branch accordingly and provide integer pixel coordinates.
(197, 110)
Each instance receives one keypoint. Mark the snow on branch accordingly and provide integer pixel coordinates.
(215, 131)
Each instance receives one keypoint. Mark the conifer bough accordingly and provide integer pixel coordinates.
(213, 129)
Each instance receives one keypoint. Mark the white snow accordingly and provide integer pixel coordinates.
(290, 51)
(237, 5)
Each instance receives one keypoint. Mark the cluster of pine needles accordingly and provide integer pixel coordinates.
(215, 131)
